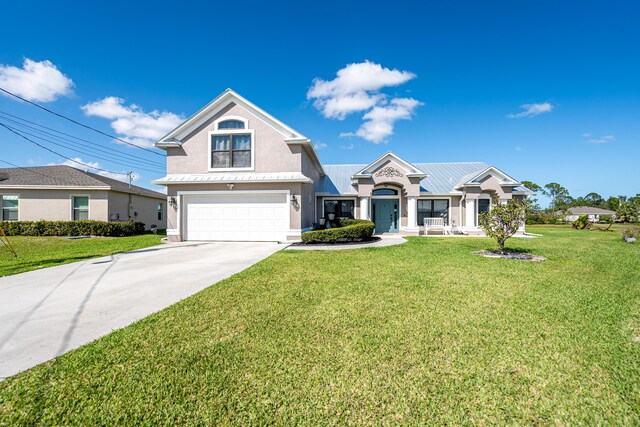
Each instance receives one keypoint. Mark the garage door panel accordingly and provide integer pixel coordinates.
(236, 217)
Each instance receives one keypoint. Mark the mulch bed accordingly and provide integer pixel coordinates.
(520, 256)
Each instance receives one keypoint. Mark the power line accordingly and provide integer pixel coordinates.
(11, 118)
(117, 154)
(56, 153)
(77, 150)
(77, 122)
(27, 169)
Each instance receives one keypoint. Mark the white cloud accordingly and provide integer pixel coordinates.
(532, 110)
(35, 81)
(93, 168)
(130, 121)
(348, 146)
(379, 121)
(598, 139)
(357, 88)
(321, 146)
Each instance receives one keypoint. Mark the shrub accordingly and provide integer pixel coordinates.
(581, 223)
(630, 232)
(353, 230)
(72, 228)
(503, 220)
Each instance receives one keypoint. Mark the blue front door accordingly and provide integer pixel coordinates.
(385, 215)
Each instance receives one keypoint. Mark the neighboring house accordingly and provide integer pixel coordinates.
(234, 172)
(593, 214)
(63, 193)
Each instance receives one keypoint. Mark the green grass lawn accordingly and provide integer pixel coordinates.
(420, 333)
(40, 252)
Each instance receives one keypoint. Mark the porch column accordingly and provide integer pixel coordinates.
(364, 208)
(470, 213)
(412, 213)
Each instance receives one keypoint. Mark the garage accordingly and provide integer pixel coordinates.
(236, 217)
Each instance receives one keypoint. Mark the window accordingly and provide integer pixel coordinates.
(384, 192)
(160, 209)
(231, 151)
(231, 124)
(341, 208)
(80, 207)
(483, 205)
(9, 208)
(436, 208)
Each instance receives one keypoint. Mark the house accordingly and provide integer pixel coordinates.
(234, 172)
(593, 214)
(62, 193)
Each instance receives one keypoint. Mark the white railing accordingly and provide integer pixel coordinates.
(434, 224)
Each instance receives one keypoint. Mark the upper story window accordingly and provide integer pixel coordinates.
(231, 151)
(231, 145)
(231, 124)
(9, 208)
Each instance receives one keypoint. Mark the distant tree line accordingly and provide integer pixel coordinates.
(627, 209)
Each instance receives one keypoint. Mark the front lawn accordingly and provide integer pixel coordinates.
(40, 252)
(421, 333)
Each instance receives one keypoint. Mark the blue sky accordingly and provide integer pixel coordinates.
(469, 64)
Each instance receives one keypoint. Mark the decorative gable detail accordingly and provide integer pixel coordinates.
(409, 169)
(388, 172)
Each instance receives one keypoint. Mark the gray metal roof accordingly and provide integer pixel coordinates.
(442, 179)
(67, 176)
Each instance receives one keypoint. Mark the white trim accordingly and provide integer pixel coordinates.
(231, 192)
(173, 138)
(410, 169)
(72, 196)
(507, 181)
(232, 132)
(216, 123)
(2, 208)
(239, 178)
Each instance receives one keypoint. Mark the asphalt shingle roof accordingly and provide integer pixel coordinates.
(66, 176)
(587, 210)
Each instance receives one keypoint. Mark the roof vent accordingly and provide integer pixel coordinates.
(3, 176)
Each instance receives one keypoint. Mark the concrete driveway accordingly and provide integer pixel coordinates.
(48, 312)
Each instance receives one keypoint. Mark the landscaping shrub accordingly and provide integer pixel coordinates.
(352, 230)
(72, 228)
(630, 233)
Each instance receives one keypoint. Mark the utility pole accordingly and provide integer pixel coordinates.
(130, 176)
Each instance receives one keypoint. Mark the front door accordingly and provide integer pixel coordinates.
(385, 215)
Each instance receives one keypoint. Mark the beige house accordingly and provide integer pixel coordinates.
(63, 193)
(236, 173)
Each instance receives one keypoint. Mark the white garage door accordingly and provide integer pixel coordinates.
(237, 217)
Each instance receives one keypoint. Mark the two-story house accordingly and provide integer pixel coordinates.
(236, 173)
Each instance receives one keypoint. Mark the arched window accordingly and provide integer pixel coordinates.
(385, 192)
(231, 124)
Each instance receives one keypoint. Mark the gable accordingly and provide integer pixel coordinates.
(399, 165)
(280, 140)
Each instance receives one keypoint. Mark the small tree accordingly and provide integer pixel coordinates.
(503, 220)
